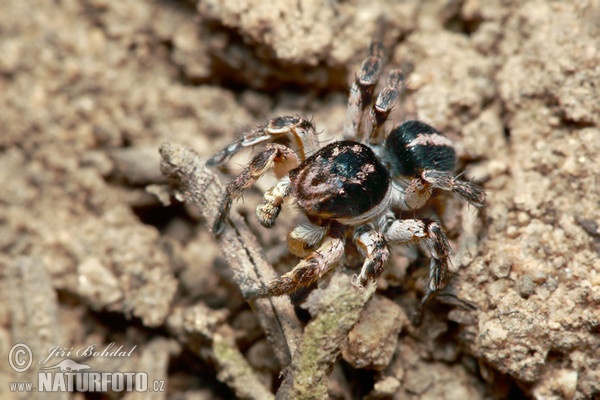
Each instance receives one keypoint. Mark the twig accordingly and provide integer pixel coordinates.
(198, 185)
(337, 308)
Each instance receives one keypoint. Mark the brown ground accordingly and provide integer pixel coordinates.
(89, 90)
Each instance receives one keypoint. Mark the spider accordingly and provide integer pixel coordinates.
(349, 188)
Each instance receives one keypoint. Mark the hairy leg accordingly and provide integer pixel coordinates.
(258, 166)
(419, 189)
(361, 90)
(373, 246)
(409, 231)
(305, 236)
(386, 100)
(308, 269)
(299, 130)
(467, 191)
(269, 209)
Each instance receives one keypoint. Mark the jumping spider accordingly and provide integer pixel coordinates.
(350, 187)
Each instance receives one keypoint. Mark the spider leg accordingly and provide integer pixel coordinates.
(361, 90)
(269, 209)
(271, 156)
(373, 245)
(308, 269)
(380, 111)
(419, 189)
(305, 236)
(416, 194)
(299, 129)
(468, 191)
(428, 232)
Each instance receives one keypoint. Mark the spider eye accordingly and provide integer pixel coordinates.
(343, 179)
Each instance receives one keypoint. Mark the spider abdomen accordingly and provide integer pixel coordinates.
(341, 181)
(415, 146)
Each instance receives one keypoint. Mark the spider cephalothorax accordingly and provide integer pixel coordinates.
(353, 185)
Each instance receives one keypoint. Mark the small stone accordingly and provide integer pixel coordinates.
(373, 340)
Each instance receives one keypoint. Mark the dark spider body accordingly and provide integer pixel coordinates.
(351, 190)
(343, 179)
(414, 146)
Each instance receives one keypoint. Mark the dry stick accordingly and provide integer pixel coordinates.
(337, 308)
(198, 185)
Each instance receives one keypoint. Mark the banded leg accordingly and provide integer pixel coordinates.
(416, 194)
(412, 231)
(308, 270)
(380, 111)
(262, 162)
(269, 209)
(361, 91)
(419, 190)
(373, 246)
(301, 131)
(468, 191)
(305, 236)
